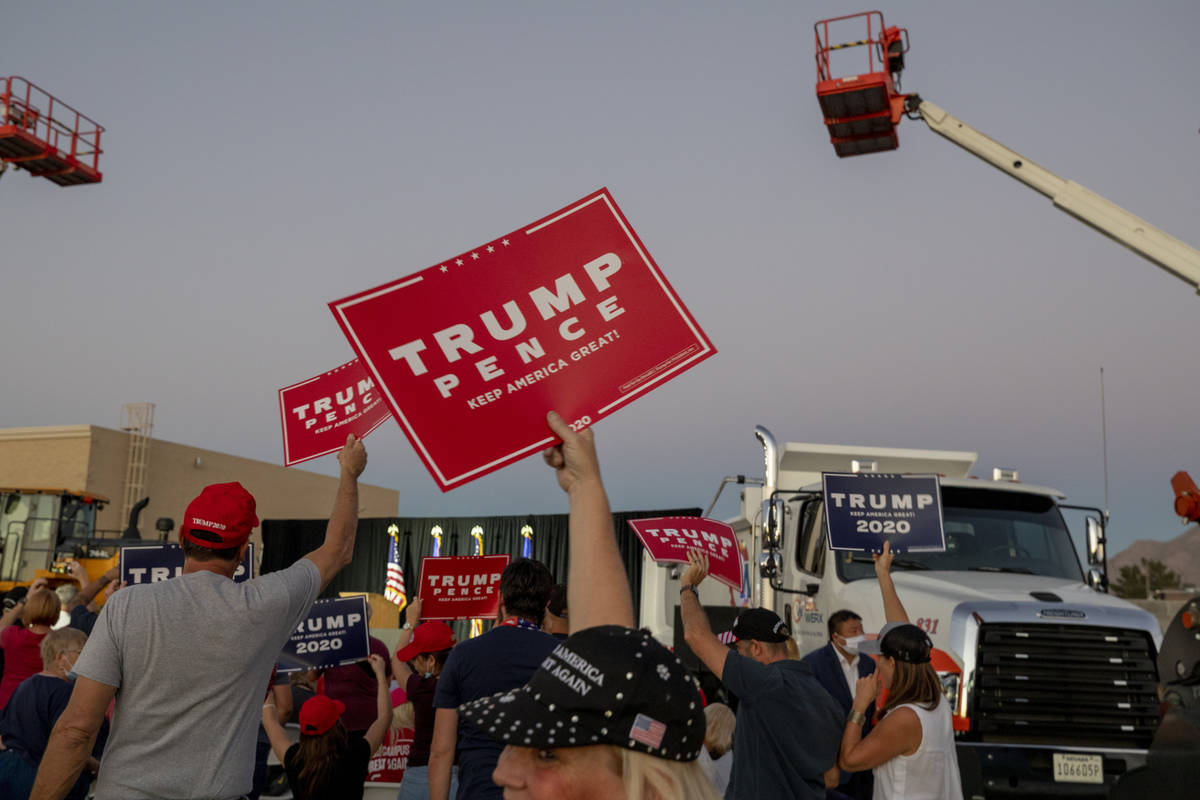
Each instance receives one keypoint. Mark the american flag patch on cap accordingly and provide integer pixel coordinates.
(726, 637)
(647, 731)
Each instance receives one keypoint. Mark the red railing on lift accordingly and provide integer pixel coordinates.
(68, 136)
(861, 108)
(874, 33)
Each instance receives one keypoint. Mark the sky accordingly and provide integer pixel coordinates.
(262, 159)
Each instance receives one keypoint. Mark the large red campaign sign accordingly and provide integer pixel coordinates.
(570, 313)
(461, 587)
(668, 540)
(318, 413)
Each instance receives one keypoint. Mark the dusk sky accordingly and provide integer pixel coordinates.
(263, 159)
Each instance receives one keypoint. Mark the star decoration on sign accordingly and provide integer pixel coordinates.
(458, 261)
(445, 268)
(491, 249)
(504, 242)
(475, 256)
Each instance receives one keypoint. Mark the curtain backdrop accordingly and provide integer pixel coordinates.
(286, 540)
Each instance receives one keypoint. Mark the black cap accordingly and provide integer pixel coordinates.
(15, 595)
(761, 625)
(901, 641)
(603, 685)
(557, 604)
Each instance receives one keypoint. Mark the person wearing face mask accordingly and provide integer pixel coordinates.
(30, 715)
(912, 749)
(421, 653)
(838, 666)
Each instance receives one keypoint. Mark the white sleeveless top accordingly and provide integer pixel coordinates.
(931, 773)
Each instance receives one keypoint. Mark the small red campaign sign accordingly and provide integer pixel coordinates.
(461, 587)
(668, 540)
(569, 313)
(318, 413)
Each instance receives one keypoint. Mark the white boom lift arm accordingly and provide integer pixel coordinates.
(1161, 248)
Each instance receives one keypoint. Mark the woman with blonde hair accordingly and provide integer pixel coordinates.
(717, 757)
(611, 714)
(911, 750)
(37, 611)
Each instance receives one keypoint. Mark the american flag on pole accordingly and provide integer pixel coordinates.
(647, 731)
(394, 587)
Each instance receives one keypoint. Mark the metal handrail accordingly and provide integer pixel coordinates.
(59, 121)
(824, 72)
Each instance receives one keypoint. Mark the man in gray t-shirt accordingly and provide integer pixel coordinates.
(189, 660)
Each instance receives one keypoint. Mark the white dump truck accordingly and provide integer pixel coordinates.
(1052, 680)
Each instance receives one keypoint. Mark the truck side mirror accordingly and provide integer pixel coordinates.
(1097, 580)
(1096, 542)
(773, 514)
(768, 565)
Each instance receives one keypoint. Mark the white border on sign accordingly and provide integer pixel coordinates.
(287, 458)
(428, 559)
(661, 521)
(702, 352)
(937, 480)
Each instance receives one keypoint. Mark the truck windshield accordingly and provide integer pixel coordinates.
(989, 531)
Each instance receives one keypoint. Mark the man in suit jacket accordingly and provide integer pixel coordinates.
(838, 666)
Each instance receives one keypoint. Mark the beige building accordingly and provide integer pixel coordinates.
(92, 459)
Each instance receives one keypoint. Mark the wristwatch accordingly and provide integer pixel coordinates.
(688, 587)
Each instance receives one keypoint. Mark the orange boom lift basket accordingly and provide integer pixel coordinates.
(45, 136)
(861, 109)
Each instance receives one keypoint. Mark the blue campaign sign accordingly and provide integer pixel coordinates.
(150, 563)
(864, 510)
(333, 633)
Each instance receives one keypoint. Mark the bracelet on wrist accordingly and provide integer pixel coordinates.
(688, 587)
(856, 718)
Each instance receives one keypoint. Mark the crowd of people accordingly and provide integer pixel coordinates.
(171, 690)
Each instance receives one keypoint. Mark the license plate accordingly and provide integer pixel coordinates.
(1078, 768)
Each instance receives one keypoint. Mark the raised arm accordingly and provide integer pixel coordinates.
(597, 586)
(893, 609)
(281, 693)
(280, 741)
(89, 590)
(412, 616)
(338, 549)
(696, 630)
(12, 615)
(383, 704)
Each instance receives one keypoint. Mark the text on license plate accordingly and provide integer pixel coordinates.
(1078, 768)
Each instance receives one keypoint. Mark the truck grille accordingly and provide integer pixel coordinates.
(1065, 684)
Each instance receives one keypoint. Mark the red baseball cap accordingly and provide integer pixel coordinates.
(320, 713)
(221, 517)
(429, 637)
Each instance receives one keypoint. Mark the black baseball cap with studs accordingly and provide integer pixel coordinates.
(603, 685)
(760, 624)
